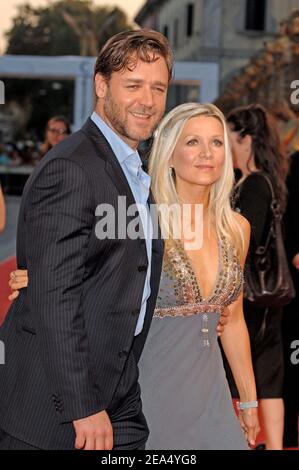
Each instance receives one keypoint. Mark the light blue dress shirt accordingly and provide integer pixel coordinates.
(139, 182)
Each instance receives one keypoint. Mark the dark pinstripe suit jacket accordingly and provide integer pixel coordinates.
(69, 337)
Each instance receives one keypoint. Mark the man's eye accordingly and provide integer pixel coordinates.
(132, 87)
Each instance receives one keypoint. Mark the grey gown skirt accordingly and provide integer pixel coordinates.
(185, 394)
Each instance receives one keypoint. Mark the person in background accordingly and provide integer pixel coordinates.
(256, 147)
(58, 128)
(14, 151)
(2, 211)
(4, 157)
(290, 319)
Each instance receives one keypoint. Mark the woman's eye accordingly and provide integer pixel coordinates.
(192, 142)
(218, 142)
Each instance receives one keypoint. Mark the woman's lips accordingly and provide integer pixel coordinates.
(204, 167)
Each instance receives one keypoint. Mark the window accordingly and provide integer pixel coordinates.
(255, 15)
(190, 13)
(176, 33)
(165, 31)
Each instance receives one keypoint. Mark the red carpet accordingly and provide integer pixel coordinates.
(5, 269)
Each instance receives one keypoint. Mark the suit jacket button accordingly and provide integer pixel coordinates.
(142, 268)
(122, 354)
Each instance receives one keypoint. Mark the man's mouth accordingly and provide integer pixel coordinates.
(141, 115)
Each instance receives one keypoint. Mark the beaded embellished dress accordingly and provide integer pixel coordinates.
(185, 395)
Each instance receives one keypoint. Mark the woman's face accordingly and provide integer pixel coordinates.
(199, 155)
(56, 132)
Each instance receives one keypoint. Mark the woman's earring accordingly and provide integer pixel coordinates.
(171, 171)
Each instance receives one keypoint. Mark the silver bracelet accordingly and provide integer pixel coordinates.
(244, 405)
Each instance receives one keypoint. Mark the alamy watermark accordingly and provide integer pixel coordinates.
(295, 94)
(2, 92)
(180, 221)
(295, 354)
(2, 353)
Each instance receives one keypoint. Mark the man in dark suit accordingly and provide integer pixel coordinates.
(74, 336)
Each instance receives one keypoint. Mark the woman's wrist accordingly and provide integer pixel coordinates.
(245, 405)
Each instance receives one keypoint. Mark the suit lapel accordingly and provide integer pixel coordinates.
(118, 178)
(112, 165)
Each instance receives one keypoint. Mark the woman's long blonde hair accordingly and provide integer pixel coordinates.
(222, 216)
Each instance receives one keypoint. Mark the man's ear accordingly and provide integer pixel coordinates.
(100, 85)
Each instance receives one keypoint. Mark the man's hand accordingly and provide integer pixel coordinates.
(223, 321)
(296, 261)
(94, 432)
(18, 280)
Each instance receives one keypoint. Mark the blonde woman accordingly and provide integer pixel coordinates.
(185, 394)
(184, 390)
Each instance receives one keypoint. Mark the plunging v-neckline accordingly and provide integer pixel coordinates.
(192, 271)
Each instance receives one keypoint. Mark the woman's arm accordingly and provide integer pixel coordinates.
(2, 211)
(236, 345)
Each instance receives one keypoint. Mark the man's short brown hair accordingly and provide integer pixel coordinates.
(123, 50)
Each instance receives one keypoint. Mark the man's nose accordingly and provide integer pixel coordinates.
(147, 98)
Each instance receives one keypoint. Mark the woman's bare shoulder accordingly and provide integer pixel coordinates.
(245, 227)
(243, 222)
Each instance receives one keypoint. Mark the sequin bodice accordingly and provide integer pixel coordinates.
(179, 292)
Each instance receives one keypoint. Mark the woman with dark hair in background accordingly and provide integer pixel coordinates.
(290, 322)
(58, 127)
(256, 149)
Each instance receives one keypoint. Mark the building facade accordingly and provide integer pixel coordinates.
(227, 32)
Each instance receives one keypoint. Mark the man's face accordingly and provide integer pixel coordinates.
(133, 101)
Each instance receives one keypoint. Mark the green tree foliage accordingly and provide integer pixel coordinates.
(66, 27)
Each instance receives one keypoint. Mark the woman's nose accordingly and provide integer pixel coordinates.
(205, 150)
